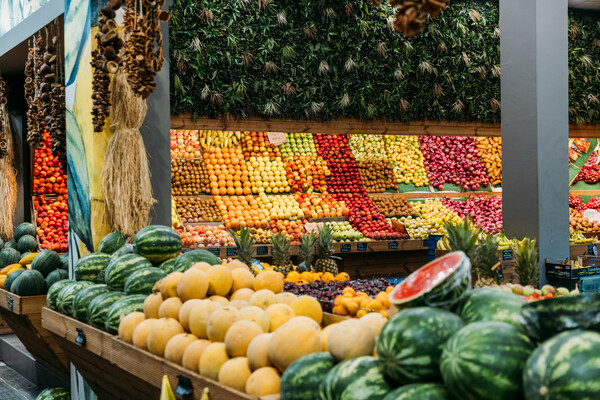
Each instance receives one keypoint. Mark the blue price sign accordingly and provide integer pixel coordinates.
(262, 251)
(592, 249)
(361, 246)
(346, 248)
(393, 245)
(214, 250)
(231, 251)
(507, 254)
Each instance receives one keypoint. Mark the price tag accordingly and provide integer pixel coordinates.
(231, 251)
(184, 386)
(592, 249)
(507, 254)
(362, 246)
(80, 339)
(262, 251)
(10, 303)
(214, 250)
(276, 138)
(346, 248)
(311, 227)
(393, 245)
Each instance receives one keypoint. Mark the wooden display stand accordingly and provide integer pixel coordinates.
(23, 315)
(116, 370)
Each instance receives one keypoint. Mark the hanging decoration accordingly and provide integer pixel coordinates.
(55, 85)
(8, 179)
(33, 92)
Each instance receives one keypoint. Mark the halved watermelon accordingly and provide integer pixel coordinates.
(440, 283)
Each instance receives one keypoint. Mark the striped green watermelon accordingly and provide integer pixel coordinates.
(56, 393)
(490, 304)
(443, 282)
(11, 278)
(169, 265)
(302, 378)
(27, 243)
(8, 256)
(11, 244)
(64, 261)
(419, 391)
(98, 308)
(356, 379)
(186, 260)
(46, 261)
(485, 360)
(410, 345)
(142, 281)
(121, 308)
(29, 283)
(89, 266)
(546, 318)
(121, 268)
(23, 229)
(157, 243)
(64, 300)
(1, 243)
(565, 367)
(84, 297)
(112, 242)
(54, 290)
(125, 249)
(55, 276)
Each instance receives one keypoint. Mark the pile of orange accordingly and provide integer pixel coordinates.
(239, 211)
(357, 304)
(227, 171)
(257, 144)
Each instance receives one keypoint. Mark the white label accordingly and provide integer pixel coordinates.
(276, 138)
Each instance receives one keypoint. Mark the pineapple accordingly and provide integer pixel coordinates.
(281, 253)
(324, 251)
(462, 237)
(526, 257)
(306, 252)
(244, 243)
(485, 256)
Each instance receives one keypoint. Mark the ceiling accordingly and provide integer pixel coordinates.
(585, 4)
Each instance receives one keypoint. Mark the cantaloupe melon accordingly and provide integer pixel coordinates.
(220, 321)
(199, 317)
(294, 339)
(185, 311)
(128, 324)
(152, 304)
(193, 284)
(262, 298)
(234, 373)
(192, 353)
(269, 280)
(201, 266)
(212, 359)
(258, 352)
(264, 381)
(140, 333)
(242, 294)
(237, 264)
(219, 280)
(239, 304)
(279, 314)
(258, 315)
(168, 285)
(285, 298)
(219, 300)
(160, 333)
(350, 339)
(375, 321)
(242, 278)
(325, 334)
(239, 336)
(309, 307)
(177, 345)
(170, 308)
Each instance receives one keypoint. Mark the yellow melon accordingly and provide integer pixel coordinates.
(152, 304)
(128, 324)
(219, 300)
(220, 321)
(212, 359)
(262, 298)
(202, 266)
(237, 264)
(309, 307)
(242, 294)
(375, 321)
(219, 280)
(325, 334)
(199, 317)
(160, 333)
(285, 298)
(242, 278)
(168, 285)
(185, 311)
(350, 339)
(234, 373)
(2, 280)
(294, 339)
(192, 353)
(239, 336)
(170, 308)
(269, 280)
(177, 345)
(258, 315)
(279, 314)
(264, 381)
(140, 333)
(258, 352)
(193, 284)
(239, 304)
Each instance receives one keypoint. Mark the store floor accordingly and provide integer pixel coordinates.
(14, 387)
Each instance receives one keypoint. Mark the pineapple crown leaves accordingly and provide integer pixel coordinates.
(244, 244)
(463, 236)
(526, 257)
(306, 252)
(485, 255)
(280, 249)
(325, 242)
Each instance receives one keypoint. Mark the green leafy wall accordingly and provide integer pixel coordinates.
(324, 59)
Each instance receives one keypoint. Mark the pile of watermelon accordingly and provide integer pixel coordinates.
(450, 342)
(116, 280)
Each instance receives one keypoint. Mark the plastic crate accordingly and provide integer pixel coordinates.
(590, 284)
(568, 283)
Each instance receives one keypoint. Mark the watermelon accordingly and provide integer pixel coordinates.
(56, 393)
(565, 367)
(186, 260)
(1, 243)
(64, 261)
(125, 249)
(64, 300)
(112, 242)
(410, 345)
(23, 229)
(84, 297)
(490, 304)
(157, 243)
(11, 244)
(419, 391)
(89, 266)
(98, 308)
(29, 283)
(485, 360)
(142, 281)
(302, 378)
(121, 268)
(546, 318)
(54, 290)
(55, 276)
(11, 278)
(9, 256)
(356, 379)
(27, 243)
(46, 261)
(169, 265)
(121, 308)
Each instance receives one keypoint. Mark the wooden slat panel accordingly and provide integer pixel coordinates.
(22, 304)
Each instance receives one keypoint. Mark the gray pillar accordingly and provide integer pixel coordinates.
(535, 123)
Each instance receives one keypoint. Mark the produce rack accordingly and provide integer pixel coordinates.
(116, 370)
(23, 315)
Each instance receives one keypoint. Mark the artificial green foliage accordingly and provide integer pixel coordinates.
(325, 59)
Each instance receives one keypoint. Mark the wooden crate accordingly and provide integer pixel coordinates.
(23, 315)
(116, 370)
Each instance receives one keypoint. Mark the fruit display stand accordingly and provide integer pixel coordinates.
(119, 371)
(23, 315)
